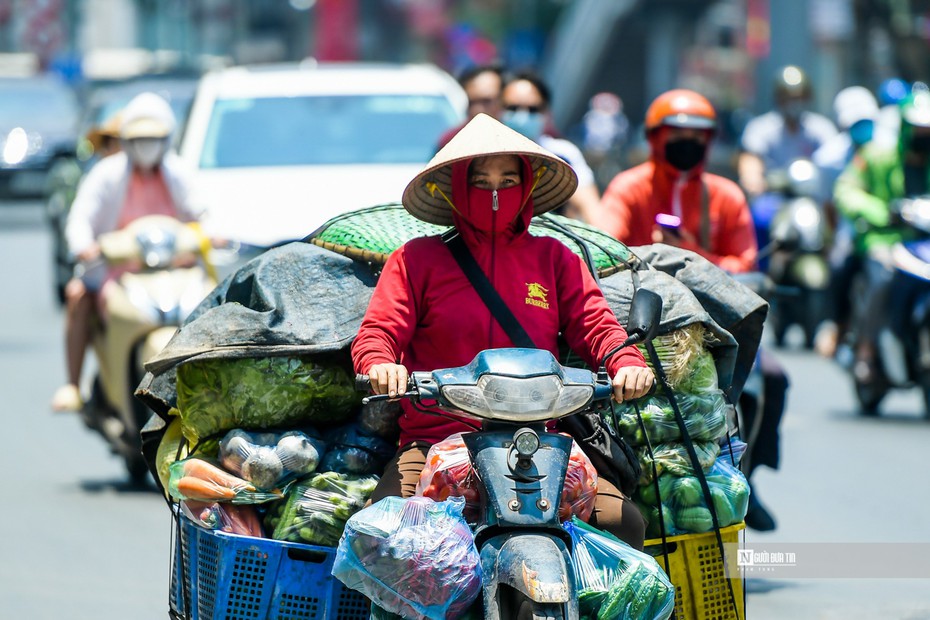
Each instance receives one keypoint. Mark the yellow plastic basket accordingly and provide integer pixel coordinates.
(700, 575)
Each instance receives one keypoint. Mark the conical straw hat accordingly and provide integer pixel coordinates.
(483, 136)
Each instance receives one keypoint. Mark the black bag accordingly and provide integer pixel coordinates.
(613, 459)
(611, 456)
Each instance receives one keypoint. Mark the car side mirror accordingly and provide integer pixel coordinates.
(645, 315)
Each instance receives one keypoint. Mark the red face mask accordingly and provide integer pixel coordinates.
(492, 211)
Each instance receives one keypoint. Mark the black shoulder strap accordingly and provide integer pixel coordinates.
(491, 298)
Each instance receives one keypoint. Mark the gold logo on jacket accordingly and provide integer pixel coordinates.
(537, 295)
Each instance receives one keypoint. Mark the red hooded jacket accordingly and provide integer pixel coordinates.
(635, 196)
(425, 313)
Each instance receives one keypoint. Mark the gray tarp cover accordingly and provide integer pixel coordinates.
(302, 299)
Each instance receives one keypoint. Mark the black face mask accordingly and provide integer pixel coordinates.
(920, 144)
(685, 154)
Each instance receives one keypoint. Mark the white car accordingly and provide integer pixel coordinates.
(278, 150)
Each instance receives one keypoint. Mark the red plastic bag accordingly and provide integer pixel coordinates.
(448, 473)
(580, 489)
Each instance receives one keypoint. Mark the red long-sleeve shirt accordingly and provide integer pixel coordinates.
(425, 314)
(635, 196)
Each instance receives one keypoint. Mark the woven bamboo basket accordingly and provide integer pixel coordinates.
(370, 235)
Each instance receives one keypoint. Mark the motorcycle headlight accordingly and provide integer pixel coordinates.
(519, 399)
(157, 246)
(809, 221)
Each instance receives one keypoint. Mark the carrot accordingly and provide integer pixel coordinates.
(198, 468)
(192, 487)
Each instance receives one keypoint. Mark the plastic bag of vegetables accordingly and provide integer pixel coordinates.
(705, 416)
(672, 458)
(316, 509)
(268, 460)
(218, 395)
(200, 480)
(240, 519)
(688, 364)
(379, 418)
(614, 580)
(684, 507)
(412, 557)
(448, 473)
(353, 451)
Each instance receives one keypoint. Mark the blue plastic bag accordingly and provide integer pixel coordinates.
(412, 557)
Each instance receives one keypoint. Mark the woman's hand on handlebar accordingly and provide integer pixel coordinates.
(390, 379)
(632, 382)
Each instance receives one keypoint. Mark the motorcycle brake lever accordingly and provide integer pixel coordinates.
(379, 397)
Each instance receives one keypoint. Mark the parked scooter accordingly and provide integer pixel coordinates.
(903, 351)
(796, 253)
(525, 555)
(163, 276)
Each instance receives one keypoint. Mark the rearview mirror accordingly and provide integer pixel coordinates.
(645, 315)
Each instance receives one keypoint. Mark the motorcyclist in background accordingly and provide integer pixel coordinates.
(714, 221)
(856, 111)
(526, 99)
(876, 177)
(778, 137)
(482, 85)
(891, 93)
(144, 179)
(711, 211)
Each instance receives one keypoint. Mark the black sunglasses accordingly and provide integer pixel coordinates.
(532, 109)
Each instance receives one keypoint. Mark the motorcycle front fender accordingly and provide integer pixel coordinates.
(535, 564)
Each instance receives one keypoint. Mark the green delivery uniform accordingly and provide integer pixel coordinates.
(864, 191)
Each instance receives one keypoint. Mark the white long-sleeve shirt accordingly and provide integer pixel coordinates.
(102, 192)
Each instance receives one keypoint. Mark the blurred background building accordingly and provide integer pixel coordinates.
(727, 49)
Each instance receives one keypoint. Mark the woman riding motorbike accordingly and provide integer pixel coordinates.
(144, 179)
(488, 182)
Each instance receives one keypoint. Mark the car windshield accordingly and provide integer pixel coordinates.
(320, 130)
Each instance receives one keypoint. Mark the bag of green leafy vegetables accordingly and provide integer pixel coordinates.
(217, 395)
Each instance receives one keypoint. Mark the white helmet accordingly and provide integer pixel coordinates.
(147, 116)
(854, 104)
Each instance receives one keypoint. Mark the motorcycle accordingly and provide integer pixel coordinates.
(163, 275)
(525, 553)
(903, 345)
(796, 254)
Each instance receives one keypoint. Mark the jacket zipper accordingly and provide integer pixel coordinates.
(495, 206)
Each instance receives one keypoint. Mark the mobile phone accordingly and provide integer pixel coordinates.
(668, 221)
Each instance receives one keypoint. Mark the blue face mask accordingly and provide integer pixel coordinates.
(861, 131)
(530, 124)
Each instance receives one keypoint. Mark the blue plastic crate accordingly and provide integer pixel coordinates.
(226, 577)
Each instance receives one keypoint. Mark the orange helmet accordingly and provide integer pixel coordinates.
(681, 108)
